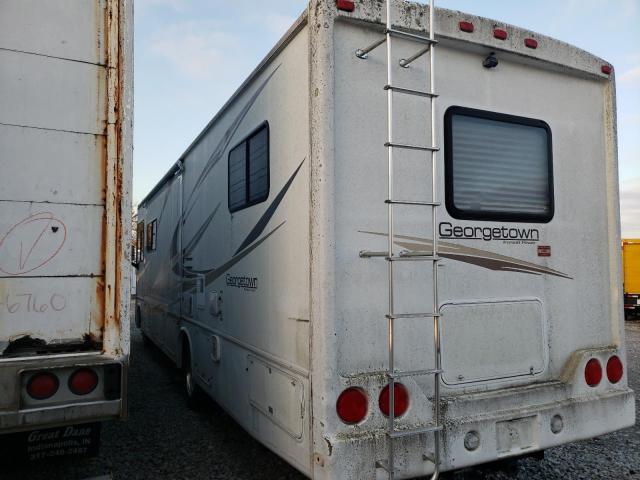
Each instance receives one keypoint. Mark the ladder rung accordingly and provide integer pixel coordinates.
(418, 38)
(411, 147)
(419, 253)
(414, 257)
(429, 457)
(370, 254)
(413, 202)
(414, 373)
(413, 315)
(414, 431)
(383, 464)
(410, 91)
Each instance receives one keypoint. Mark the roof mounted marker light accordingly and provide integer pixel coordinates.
(345, 5)
(466, 26)
(530, 43)
(606, 69)
(500, 34)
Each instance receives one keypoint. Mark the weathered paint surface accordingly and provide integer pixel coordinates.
(65, 150)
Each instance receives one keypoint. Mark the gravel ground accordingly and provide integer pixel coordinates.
(162, 439)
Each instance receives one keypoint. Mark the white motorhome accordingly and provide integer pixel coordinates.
(395, 250)
(65, 158)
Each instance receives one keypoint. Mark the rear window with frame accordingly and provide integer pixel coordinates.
(497, 167)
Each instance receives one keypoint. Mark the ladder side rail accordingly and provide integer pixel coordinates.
(390, 239)
(434, 216)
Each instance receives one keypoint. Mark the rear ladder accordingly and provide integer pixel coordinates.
(431, 256)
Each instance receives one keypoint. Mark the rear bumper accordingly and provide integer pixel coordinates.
(513, 422)
(16, 416)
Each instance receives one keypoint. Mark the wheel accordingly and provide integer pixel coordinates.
(194, 394)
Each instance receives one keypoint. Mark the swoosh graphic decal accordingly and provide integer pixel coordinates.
(475, 256)
(224, 143)
(264, 220)
(201, 231)
(212, 274)
(213, 160)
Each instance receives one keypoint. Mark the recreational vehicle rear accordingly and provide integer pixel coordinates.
(369, 259)
(65, 156)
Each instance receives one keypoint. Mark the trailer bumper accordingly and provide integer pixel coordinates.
(18, 412)
(502, 433)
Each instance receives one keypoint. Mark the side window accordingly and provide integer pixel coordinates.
(152, 234)
(248, 180)
(497, 167)
(139, 242)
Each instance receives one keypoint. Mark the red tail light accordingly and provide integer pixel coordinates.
(400, 400)
(42, 385)
(500, 34)
(83, 381)
(530, 43)
(593, 372)
(614, 369)
(606, 69)
(352, 405)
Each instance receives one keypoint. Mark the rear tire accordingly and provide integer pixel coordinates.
(194, 394)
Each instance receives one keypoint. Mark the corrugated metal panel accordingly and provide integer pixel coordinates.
(72, 29)
(65, 131)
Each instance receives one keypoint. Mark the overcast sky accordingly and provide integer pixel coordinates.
(191, 55)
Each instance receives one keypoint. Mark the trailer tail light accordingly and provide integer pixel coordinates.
(500, 34)
(593, 372)
(352, 405)
(614, 369)
(42, 385)
(83, 381)
(345, 5)
(466, 26)
(400, 400)
(530, 43)
(606, 69)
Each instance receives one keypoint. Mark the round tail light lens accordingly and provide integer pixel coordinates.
(352, 405)
(400, 400)
(593, 372)
(42, 385)
(83, 381)
(614, 369)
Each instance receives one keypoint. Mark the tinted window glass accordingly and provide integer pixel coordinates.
(259, 166)
(249, 170)
(237, 177)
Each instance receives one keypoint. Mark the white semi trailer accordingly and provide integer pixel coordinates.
(65, 175)
(369, 257)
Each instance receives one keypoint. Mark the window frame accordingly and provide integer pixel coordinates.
(246, 141)
(487, 215)
(140, 241)
(151, 243)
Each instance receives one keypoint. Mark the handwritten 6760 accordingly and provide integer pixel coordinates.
(32, 303)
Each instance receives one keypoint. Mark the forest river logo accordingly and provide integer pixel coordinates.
(506, 234)
(249, 284)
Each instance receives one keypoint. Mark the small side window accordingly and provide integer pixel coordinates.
(497, 167)
(248, 180)
(152, 233)
(139, 254)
